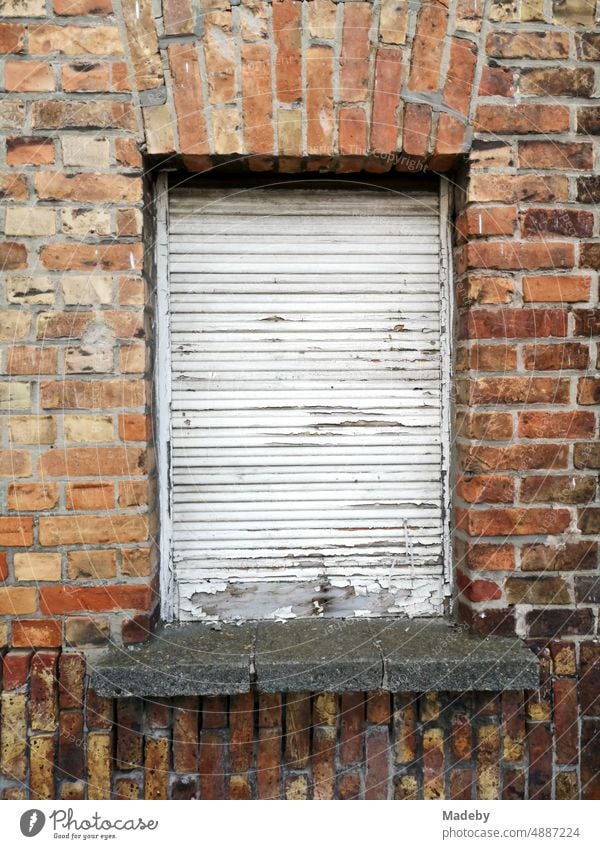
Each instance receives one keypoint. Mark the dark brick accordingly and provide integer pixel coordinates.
(555, 622)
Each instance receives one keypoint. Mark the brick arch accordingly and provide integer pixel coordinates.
(286, 84)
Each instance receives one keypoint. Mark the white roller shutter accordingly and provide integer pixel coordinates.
(306, 451)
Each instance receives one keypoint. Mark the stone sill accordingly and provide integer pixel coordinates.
(343, 655)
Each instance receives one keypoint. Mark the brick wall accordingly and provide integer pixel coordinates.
(502, 99)
(61, 742)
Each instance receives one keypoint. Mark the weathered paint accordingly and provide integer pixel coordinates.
(306, 466)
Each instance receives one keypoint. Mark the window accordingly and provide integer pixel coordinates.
(303, 413)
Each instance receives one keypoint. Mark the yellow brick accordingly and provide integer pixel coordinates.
(37, 289)
(14, 324)
(88, 429)
(86, 222)
(156, 768)
(32, 430)
(86, 289)
(28, 221)
(3, 635)
(14, 736)
(41, 770)
(98, 765)
(15, 396)
(37, 567)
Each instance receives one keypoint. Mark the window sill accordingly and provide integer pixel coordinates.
(417, 655)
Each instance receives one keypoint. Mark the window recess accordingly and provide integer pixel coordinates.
(303, 377)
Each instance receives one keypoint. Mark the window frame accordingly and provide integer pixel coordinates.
(162, 378)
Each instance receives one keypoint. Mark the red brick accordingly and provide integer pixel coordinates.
(516, 390)
(78, 257)
(12, 38)
(85, 76)
(571, 355)
(25, 151)
(241, 732)
(564, 425)
(3, 567)
(16, 531)
(13, 256)
(478, 221)
(589, 256)
(477, 590)
(539, 742)
(507, 255)
(138, 628)
(488, 426)
(32, 496)
(588, 120)
(521, 118)
(386, 99)
(488, 358)
(187, 97)
(378, 772)
(68, 599)
(134, 427)
(28, 76)
(90, 496)
(561, 288)
(353, 131)
(96, 461)
(36, 633)
(212, 765)
(515, 521)
(15, 669)
(287, 29)
(29, 359)
(428, 48)
(459, 80)
(256, 97)
(352, 716)
(416, 129)
(487, 557)
(71, 746)
(485, 488)
(496, 82)
(354, 56)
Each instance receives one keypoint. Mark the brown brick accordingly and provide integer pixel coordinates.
(560, 155)
(571, 355)
(488, 426)
(241, 730)
(588, 391)
(71, 745)
(12, 38)
(15, 601)
(557, 82)
(87, 631)
(71, 680)
(70, 257)
(82, 7)
(485, 488)
(539, 741)
(566, 489)
(128, 731)
(530, 188)
(97, 394)
(589, 679)
(553, 623)
(528, 45)
(90, 495)
(567, 557)
(91, 564)
(537, 591)
(187, 97)
(212, 764)
(36, 633)
(483, 556)
(67, 599)
(587, 589)
(28, 76)
(85, 76)
(590, 758)
(522, 118)
(561, 222)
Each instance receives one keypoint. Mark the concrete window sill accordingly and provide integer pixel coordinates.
(417, 655)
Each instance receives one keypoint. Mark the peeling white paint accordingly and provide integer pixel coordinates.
(310, 447)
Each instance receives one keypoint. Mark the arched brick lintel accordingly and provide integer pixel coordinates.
(312, 85)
